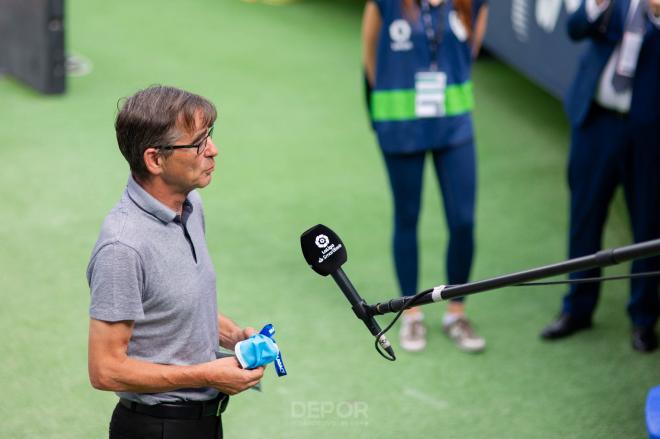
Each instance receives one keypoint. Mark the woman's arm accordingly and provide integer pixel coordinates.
(371, 24)
(480, 25)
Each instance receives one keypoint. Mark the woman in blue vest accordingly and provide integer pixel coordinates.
(417, 59)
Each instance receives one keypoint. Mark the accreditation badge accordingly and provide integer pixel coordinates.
(430, 94)
(630, 48)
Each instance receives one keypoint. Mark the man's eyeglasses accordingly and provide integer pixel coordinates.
(200, 146)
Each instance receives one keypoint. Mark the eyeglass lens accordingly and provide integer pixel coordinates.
(202, 144)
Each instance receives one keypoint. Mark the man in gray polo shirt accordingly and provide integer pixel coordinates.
(154, 325)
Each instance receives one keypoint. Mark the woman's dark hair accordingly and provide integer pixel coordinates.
(155, 116)
(463, 9)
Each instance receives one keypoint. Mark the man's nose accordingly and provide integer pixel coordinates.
(211, 150)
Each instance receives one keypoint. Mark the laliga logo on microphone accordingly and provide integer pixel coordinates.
(328, 249)
(321, 241)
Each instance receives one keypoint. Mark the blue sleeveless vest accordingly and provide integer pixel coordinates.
(403, 50)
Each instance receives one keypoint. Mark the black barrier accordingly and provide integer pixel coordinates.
(32, 43)
(531, 36)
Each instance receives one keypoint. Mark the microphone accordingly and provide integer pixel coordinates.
(326, 253)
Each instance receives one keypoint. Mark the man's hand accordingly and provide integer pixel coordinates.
(227, 376)
(654, 7)
(238, 335)
(249, 332)
(231, 333)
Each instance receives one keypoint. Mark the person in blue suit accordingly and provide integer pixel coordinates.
(614, 110)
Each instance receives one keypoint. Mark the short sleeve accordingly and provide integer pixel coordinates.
(116, 278)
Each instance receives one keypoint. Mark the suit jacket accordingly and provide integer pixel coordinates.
(603, 36)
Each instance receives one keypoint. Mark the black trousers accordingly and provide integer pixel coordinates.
(126, 424)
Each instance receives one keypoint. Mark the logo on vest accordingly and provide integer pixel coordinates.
(400, 35)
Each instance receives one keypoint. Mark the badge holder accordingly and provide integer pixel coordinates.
(430, 94)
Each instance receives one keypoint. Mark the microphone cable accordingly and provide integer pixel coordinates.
(411, 302)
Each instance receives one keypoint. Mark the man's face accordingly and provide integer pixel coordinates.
(185, 169)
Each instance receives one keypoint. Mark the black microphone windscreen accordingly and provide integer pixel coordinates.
(323, 250)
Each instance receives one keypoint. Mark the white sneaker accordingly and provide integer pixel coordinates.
(460, 330)
(412, 335)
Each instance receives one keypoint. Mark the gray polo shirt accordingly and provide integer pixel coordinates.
(152, 266)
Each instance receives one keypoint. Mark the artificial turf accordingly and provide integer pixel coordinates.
(296, 150)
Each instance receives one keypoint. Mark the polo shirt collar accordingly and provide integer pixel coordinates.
(148, 203)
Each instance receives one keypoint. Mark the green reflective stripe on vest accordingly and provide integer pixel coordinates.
(393, 105)
(459, 99)
(400, 104)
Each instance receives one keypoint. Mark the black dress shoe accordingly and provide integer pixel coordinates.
(644, 339)
(564, 326)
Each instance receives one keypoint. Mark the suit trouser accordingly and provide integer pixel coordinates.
(607, 151)
(126, 424)
(455, 169)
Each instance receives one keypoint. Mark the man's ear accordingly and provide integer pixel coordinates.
(153, 161)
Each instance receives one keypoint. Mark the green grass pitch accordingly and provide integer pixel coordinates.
(296, 150)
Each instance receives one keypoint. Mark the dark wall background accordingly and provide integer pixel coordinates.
(531, 36)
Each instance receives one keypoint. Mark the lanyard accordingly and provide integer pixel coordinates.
(269, 331)
(433, 36)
